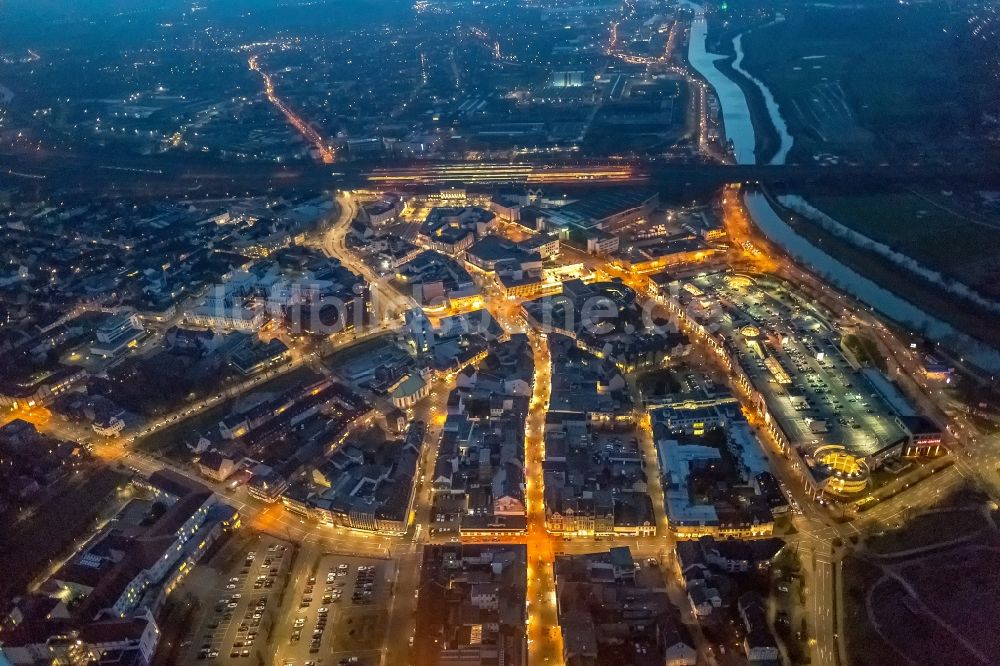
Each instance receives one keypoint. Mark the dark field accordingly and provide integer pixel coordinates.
(975, 321)
(865, 84)
(931, 228)
(32, 545)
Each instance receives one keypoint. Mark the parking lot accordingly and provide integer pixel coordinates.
(239, 603)
(337, 613)
(790, 351)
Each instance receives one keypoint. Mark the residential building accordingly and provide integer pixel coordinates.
(216, 466)
(471, 607)
(759, 643)
(608, 614)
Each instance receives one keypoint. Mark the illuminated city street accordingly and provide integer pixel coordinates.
(527, 333)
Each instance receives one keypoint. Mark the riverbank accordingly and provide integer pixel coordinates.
(949, 230)
(785, 140)
(977, 322)
(749, 123)
(887, 250)
(897, 297)
(767, 142)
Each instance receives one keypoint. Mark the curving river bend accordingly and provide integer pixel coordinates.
(733, 103)
(740, 131)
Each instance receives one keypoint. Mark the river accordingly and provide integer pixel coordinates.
(739, 129)
(736, 118)
(846, 279)
(735, 111)
(772, 107)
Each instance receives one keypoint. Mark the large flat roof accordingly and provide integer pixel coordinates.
(495, 248)
(793, 334)
(604, 204)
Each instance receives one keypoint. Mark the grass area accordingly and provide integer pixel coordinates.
(788, 561)
(34, 544)
(961, 586)
(658, 383)
(864, 646)
(230, 557)
(980, 324)
(886, 485)
(171, 440)
(784, 526)
(882, 477)
(656, 131)
(982, 395)
(984, 425)
(928, 529)
(177, 617)
(301, 375)
(932, 233)
(361, 630)
(840, 73)
(865, 350)
(798, 649)
(766, 137)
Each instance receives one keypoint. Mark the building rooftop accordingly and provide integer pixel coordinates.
(595, 208)
(491, 249)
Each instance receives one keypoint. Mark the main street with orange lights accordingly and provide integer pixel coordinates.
(821, 535)
(817, 530)
(544, 636)
(308, 132)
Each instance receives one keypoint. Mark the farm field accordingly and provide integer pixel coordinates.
(864, 84)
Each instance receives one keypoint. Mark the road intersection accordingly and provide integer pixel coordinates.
(822, 537)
